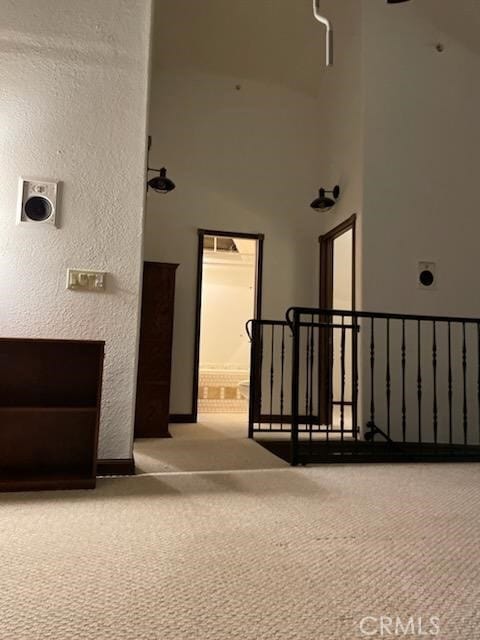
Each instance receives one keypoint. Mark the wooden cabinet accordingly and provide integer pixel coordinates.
(50, 393)
(155, 353)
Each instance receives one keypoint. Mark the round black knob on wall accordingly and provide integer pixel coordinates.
(38, 209)
(426, 278)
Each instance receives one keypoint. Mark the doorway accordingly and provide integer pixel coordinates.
(337, 291)
(229, 293)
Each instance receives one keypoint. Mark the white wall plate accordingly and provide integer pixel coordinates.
(427, 275)
(84, 280)
(37, 201)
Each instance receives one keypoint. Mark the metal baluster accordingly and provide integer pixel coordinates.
(282, 376)
(272, 351)
(331, 346)
(388, 379)
(253, 377)
(312, 359)
(404, 403)
(478, 378)
(435, 403)
(355, 330)
(307, 373)
(322, 374)
(450, 384)
(260, 376)
(419, 380)
(342, 374)
(464, 368)
(372, 371)
(295, 389)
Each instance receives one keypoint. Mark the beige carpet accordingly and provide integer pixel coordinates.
(216, 443)
(288, 554)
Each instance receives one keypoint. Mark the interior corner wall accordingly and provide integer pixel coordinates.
(242, 147)
(422, 151)
(73, 105)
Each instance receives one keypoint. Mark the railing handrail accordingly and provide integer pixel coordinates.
(260, 321)
(372, 314)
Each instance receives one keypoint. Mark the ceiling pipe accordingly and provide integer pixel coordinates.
(329, 35)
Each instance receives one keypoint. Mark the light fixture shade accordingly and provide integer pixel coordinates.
(323, 202)
(161, 184)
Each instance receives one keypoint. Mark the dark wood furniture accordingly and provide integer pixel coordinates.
(50, 393)
(155, 353)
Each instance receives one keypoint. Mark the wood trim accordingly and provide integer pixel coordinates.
(231, 234)
(326, 261)
(326, 302)
(198, 310)
(347, 224)
(181, 418)
(259, 277)
(163, 265)
(198, 316)
(326, 273)
(116, 467)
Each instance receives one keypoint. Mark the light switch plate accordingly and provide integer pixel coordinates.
(83, 280)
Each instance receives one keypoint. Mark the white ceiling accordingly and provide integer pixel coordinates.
(271, 41)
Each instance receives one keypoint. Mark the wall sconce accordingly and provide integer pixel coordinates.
(160, 183)
(323, 202)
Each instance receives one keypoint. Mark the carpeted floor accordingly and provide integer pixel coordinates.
(280, 554)
(217, 443)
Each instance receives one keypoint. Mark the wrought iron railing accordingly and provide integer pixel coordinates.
(368, 386)
(270, 376)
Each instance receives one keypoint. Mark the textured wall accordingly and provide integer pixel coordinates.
(73, 100)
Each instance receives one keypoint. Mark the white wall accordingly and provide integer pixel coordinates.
(228, 294)
(73, 103)
(246, 160)
(422, 150)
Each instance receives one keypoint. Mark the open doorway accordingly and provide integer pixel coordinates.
(228, 295)
(337, 291)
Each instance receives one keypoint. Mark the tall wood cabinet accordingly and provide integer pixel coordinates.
(50, 392)
(155, 353)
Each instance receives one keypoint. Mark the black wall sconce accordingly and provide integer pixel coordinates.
(323, 202)
(160, 183)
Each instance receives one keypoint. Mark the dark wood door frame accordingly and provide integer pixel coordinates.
(326, 261)
(198, 314)
(326, 302)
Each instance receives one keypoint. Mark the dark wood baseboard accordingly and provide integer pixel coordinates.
(116, 467)
(181, 418)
